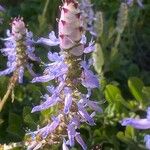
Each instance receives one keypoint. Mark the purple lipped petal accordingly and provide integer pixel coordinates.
(94, 105)
(83, 40)
(51, 89)
(68, 100)
(44, 78)
(52, 41)
(45, 131)
(7, 71)
(29, 67)
(20, 74)
(51, 101)
(71, 134)
(85, 114)
(64, 145)
(89, 80)
(80, 141)
(54, 56)
(90, 48)
(148, 113)
(147, 141)
(75, 121)
(136, 123)
(31, 55)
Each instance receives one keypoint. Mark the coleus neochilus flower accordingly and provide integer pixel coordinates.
(138, 123)
(19, 50)
(70, 73)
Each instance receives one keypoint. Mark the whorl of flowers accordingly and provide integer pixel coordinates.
(70, 73)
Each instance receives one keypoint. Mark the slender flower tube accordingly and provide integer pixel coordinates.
(19, 50)
(70, 73)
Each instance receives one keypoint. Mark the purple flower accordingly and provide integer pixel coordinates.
(138, 123)
(68, 100)
(64, 145)
(85, 114)
(50, 101)
(89, 80)
(52, 41)
(90, 48)
(80, 141)
(71, 134)
(147, 141)
(45, 131)
(53, 70)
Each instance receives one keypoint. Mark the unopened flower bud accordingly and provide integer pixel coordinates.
(70, 30)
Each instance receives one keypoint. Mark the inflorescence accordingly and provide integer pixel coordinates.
(70, 73)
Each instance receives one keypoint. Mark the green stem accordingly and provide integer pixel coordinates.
(10, 89)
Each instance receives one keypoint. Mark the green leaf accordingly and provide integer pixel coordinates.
(146, 92)
(15, 125)
(28, 117)
(98, 58)
(136, 86)
(111, 93)
(130, 132)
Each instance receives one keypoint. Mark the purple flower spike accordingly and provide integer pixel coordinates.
(147, 141)
(69, 73)
(19, 49)
(80, 141)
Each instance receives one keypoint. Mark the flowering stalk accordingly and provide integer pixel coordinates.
(19, 51)
(70, 73)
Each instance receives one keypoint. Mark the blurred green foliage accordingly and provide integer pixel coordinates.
(122, 63)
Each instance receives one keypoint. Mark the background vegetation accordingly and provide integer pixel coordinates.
(124, 71)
